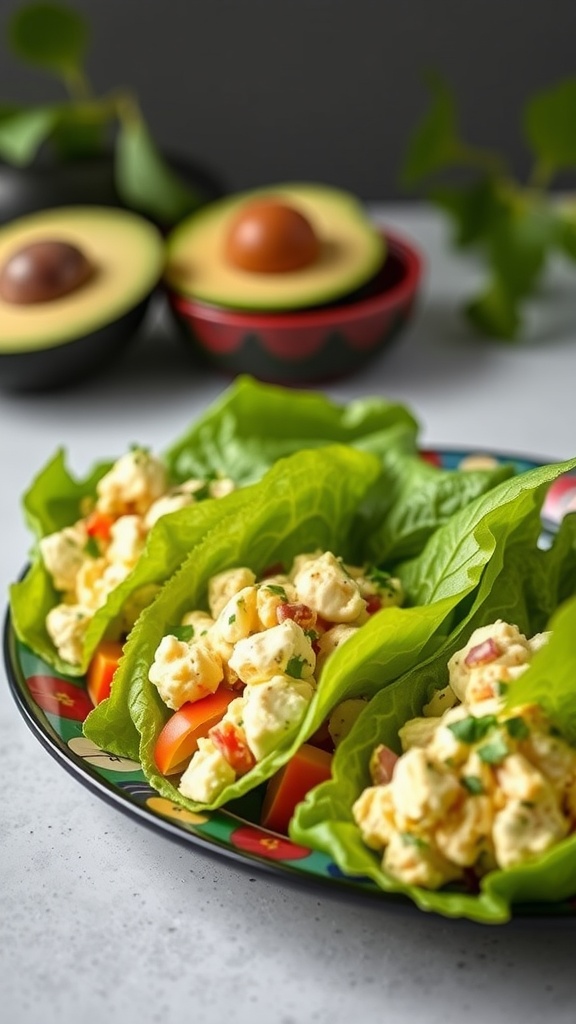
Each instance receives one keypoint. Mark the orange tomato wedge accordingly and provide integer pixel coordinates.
(179, 738)
(99, 525)
(101, 670)
(307, 768)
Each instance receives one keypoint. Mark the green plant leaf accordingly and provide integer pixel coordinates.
(144, 180)
(50, 36)
(22, 133)
(434, 144)
(495, 312)
(566, 229)
(518, 243)
(81, 131)
(473, 208)
(550, 125)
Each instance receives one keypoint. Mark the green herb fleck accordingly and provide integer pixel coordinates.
(91, 548)
(202, 493)
(184, 633)
(517, 728)
(279, 591)
(493, 752)
(409, 839)
(231, 620)
(295, 666)
(501, 688)
(473, 784)
(472, 729)
(378, 576)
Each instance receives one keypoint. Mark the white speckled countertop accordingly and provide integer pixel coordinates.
(104, 920)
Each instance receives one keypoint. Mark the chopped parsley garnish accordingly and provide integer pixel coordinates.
(473, 784)
(203, 492)
(231, 620)
(276, 589)
(91, 548)
(472, 729)
(493, 752)
(378, 576)
(517, 728)
(295, 666)
(411, 840)
(312, 635)
(185, 633)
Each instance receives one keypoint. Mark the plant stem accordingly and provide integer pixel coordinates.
(127, 107)
(78, 85)
(541, 176)
(490, 162)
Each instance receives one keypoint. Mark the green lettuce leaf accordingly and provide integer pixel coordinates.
(240, 436)
(386, 647)
(253, 424)
(420, 498)
(523, 584)
(305, 501)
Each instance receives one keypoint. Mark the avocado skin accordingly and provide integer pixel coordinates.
(63, 365)
(44, 185)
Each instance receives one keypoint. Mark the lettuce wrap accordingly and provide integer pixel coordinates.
(534, 588)
(241, 436)
(309, 501)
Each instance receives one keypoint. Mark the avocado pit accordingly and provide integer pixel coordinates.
(268, 236)
(44, 271)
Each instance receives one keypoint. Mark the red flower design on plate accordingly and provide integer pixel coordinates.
(59, 697)
(266, 844)
(560, 499)
(430, 456)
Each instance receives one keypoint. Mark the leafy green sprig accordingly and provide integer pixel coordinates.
(55, 39)
(514, 225)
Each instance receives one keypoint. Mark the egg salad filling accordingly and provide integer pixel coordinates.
(88, 559)
(264, 640)
(478, 785)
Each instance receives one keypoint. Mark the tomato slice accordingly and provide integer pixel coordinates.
(179, 738)
(101, 670)
(99, 525)
(307, 768)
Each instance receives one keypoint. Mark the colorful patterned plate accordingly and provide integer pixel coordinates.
(54, 707)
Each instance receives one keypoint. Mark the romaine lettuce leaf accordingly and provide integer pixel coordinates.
(305, 501)
(524, 586)
(387, 646)
(241, 436)
(253, 424)
(421, 497)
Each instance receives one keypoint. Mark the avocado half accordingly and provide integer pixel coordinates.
(351, 252)
(49, 343)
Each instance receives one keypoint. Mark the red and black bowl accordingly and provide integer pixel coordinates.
(310, 345)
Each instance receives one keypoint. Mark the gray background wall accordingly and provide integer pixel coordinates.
(327, 90)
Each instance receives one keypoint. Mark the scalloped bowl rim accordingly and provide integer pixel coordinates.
(408, 255)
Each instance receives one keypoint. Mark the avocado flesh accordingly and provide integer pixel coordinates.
(126, 251)
(352, 251)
